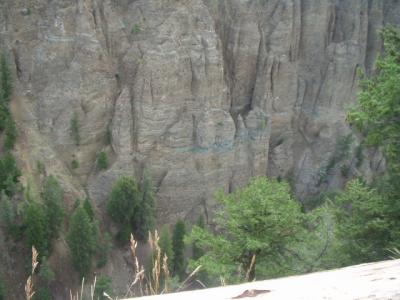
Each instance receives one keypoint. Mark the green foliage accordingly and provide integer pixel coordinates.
(9, 173)
(103, 284)
(123, 202)
(81, 240)
(362, 224)
(2, 289)
(46, 274)
(5, 80)
(136, 29)
(75, 129)
(132, 209)
(7, 212)
(89, 209)
(261, 219)
(165, 244)
(74, 164)
(43, 293)
(102, 161)
(178, 246)
(52, 196)
(197, 252)
(11, 134)
(144, 221)
(378, 112)
(103, 250)
(36, 227)
(41, 169)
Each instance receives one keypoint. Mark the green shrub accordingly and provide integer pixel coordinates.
(5, 80)
(9, 173)
(103, 284)
(11, 135)
(89, 209)
(74, 164)
(136, 29)
(75, 129)
(102, 161)
(43, 293)
(2, 289)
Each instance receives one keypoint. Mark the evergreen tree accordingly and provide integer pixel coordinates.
(103, 285)
(53, 196)
(165, 244)
(5, 80)
(75, 129)
(144, 219)
(102, 161)
(11, 134)
(198, 251)
(2, 289)
(9, 173)
(123, 205)
(261, 220)
(81, 241)
(36, 228)
(89, 209)
(178, 247)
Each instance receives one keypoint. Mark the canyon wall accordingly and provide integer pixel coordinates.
(203, 94)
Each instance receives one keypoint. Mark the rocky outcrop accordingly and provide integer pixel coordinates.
(203, 94)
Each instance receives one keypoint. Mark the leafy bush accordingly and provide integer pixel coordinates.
(9, 173)
(103, 284)
(5, 80)
(74, 164)
(102, 161)
(11, 134)
(75, 129)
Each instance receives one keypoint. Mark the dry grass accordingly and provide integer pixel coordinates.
(155, 283)
(29, 286)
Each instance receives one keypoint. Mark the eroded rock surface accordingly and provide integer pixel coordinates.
(203, 94)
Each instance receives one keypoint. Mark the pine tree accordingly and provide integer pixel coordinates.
(89, 209)
(144, 219)
(36, 229)
(75, 129)
(165, 244)
(198, 251)
(5, 80)
(102, 161)
(9, 173)
(123, 205)
(11, 134)
(53, 196)
(178, 247)
(81, 241)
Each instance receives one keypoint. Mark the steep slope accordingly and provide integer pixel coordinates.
(203, 94)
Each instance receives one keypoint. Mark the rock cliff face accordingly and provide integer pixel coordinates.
(203, 94)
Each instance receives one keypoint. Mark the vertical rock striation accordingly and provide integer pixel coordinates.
(202, 94)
